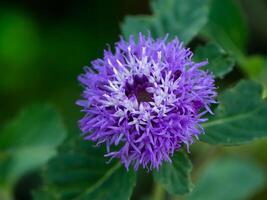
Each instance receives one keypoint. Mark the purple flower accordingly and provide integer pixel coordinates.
(145, 100)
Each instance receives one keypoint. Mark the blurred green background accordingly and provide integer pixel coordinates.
(45, 44)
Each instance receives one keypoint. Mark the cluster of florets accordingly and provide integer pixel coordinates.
(145, 100)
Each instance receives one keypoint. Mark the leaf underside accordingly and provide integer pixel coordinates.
(29, 140)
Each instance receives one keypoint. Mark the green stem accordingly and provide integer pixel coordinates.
(159, 192)
(5, 193)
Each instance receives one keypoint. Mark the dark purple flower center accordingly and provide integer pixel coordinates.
(138, 89)
(177, 74)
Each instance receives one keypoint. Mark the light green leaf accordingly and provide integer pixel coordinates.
(256, 68)
(227, 28)
(229, 178)
(29, 141)
(181, 18)
(239, 118)
(80, 172)
(175, 176)
(220, 62)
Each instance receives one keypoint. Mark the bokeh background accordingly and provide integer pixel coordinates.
(45, 44)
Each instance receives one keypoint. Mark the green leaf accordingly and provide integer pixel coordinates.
(220, 62)
(175, 176)
(229, 30)
(239, 118)
(136, 24)
(181, 18)
(80, 172)
(228, 178)
(29, 141)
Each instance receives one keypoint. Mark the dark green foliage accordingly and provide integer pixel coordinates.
(80, 171)
(220, 62)
(175, 176)
(179, 18)
(227, 27)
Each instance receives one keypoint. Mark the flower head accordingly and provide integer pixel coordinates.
(145, 100)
